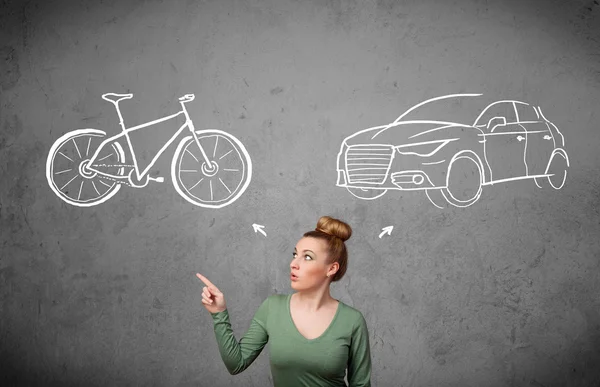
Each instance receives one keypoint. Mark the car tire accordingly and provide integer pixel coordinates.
(541, 182)
(557, 167)
(464, 180)
(365, 193)
(437, 198)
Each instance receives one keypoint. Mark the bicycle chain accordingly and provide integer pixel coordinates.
(116, 181)
(112, 165)
(110, 178)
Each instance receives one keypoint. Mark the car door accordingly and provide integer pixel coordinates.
(505, 142)
(540, 143)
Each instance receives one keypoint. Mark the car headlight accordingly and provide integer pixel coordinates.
(423, 149)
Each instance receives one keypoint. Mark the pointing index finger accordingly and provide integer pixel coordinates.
(205, 280)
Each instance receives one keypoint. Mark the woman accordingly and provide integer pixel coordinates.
(313, 337)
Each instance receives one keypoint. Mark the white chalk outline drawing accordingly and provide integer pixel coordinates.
(210, 168)
(418, 157)
(386, 230)
(259, 228)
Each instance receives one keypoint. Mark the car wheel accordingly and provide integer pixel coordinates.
(540, 182)
(437, 198)
(557, 169)
(464, 180)
(366, 194)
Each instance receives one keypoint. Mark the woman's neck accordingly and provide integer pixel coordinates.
(313, 300)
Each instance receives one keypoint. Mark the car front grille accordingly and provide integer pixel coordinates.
(368, 164)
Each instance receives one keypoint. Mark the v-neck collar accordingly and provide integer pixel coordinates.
(295, 328)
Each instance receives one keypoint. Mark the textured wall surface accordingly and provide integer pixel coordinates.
(502, 293)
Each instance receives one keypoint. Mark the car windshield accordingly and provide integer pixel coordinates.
(460, 109)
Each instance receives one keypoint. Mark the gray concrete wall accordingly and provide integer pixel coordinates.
(502, 293)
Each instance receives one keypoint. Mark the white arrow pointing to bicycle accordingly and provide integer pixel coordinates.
(386, 230)
(259, 228)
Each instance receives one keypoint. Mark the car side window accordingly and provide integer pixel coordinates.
(526, 113)
(500, 112)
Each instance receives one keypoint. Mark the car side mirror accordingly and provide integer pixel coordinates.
(496, 121)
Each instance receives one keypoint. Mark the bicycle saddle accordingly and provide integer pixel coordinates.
(115, 98)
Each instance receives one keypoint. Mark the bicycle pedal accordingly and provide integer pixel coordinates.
(157, 179)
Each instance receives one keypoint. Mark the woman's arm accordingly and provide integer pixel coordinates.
(238, 356)
(359, 362)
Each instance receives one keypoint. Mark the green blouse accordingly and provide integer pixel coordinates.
(296, 360)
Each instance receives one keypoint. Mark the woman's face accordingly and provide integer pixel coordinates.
(309, 267)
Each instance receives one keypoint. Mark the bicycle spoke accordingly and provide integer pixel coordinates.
(231, 170)
(76, 147)
(227, 188)
(225, 154)
(66, 156)
(194, 186)
(215, 150)
(211, 191)
(188, 170)
(66, 170)
(109, 186)
(105, 157)
(68, 182)
(87, 150)
(80, 189)
(188, 151)
(98, 192)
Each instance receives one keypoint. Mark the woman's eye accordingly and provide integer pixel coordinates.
(307, 257)
(294, 255)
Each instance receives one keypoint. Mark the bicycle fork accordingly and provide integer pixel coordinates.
(209, 167)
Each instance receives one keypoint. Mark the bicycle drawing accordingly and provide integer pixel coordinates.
(210, 168)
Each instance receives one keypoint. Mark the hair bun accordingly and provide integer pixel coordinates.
(334, 227)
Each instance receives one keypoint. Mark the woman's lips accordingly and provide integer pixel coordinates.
(293, 277)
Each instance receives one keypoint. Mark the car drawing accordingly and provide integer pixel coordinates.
(438, 147)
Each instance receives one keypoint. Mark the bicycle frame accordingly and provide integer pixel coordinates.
(125, 133)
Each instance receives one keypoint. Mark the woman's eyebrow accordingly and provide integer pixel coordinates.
(304, 251)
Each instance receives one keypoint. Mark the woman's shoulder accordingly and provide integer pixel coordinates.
(351, 313)
(276, 299)
(274, 304)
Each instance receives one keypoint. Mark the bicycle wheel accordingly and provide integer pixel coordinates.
(67, 173)
(213, 187)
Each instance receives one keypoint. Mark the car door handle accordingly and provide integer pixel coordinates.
(546, 137)
(520, 138)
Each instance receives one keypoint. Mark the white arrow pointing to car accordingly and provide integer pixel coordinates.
(386, 230)
(259, 228)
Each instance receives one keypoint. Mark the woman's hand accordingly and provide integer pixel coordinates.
(212, 298)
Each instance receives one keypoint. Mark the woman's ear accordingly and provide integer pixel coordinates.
(333, 269)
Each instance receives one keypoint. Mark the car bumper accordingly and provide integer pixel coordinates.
(411, 180)
(403, 180)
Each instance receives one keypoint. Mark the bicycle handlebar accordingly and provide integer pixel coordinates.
(187, 98)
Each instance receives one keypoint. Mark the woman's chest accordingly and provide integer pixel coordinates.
(312, 325)
(326, 356)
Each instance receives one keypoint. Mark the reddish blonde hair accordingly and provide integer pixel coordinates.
(334, 232)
